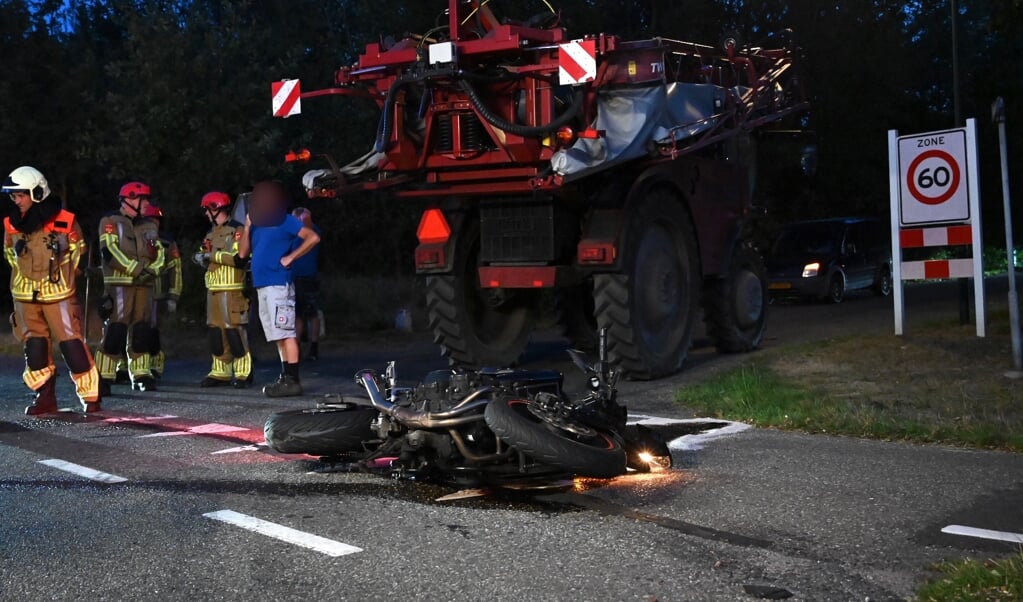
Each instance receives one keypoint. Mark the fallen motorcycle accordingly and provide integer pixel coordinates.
(476, 427)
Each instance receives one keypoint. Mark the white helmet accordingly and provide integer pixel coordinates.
(30, 180)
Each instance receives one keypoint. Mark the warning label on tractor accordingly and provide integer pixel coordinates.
(933, 178)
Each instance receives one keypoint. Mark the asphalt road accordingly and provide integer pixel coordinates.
(825, 518)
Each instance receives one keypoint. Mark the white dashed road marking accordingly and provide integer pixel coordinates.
(241, 448)
(983, 533)
(83, 471)
(287, 534)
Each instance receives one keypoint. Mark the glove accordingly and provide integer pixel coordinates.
(201, 259)
(241, 262)
(19, 247)
(146, 276)
(106, 308)
(172, 306)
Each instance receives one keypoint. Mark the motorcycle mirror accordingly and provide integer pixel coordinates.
(579, 359)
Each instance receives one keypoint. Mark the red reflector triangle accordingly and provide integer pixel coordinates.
(433, 228)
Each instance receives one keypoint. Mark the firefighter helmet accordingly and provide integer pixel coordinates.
(30, 180)
(215, 201)
(134, 190)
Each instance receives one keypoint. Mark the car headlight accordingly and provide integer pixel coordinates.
(811, 269)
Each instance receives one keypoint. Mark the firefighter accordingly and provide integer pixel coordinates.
(43, 243)
(227, 308)
(166, 288)
(132, 257)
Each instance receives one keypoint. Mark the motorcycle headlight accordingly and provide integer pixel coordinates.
(810, 270)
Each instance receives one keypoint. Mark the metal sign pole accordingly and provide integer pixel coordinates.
(973, 171)
(998, 116)
(894, 184)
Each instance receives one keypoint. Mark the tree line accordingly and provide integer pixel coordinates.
(176, 93)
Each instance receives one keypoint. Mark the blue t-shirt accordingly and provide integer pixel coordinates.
(307, 266)
(269, 244)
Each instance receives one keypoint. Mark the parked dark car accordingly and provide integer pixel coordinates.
(826, 258)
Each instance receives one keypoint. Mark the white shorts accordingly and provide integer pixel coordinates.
(277, 311)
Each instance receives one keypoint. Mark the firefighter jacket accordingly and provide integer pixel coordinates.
(131, 250)
(169, 280)
(43, 254)
(221, 249)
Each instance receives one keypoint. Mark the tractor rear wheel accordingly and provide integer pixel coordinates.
(474, 326)
(650, 308)
(735, 306)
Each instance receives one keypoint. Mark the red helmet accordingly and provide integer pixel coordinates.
(152, 211)
(134, 190)
(215, 201)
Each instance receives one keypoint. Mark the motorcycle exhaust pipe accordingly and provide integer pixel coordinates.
(416, 418)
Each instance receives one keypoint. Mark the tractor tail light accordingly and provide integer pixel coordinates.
(592, 252)
(299, 156)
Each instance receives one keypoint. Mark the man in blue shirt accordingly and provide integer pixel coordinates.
(306, 271)
(275, 240)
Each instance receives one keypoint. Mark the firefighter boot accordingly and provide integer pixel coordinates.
(90, 407)
(46, 398)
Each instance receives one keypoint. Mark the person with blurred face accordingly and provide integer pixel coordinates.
(275, 239)
(306, 271)
(43, 244)
(132, 257)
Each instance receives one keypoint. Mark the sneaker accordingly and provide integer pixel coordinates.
(209, 381)
(144, 383)
(286, 386)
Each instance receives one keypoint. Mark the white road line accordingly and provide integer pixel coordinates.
(241, 448)
(140, 419)
(692, 442)
(202, 429)
(983, 533)
(287, 534)
(83, 471)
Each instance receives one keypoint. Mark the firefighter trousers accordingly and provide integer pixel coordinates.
(127, 333)
(35, 325)
(227, 314)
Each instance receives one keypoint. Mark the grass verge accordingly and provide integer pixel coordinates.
(970, 580)
(941, 385)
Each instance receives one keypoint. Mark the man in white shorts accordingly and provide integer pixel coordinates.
(275, 239)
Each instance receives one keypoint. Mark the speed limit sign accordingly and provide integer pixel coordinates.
(934, 178)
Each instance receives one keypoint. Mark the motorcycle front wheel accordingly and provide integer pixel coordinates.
(320, 431)
(597, 455)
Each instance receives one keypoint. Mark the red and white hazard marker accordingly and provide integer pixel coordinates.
(577, 62)
(287, 97)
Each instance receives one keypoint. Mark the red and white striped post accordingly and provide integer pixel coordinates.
(934, 185)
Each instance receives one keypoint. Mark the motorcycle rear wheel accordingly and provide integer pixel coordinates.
(320, 431)
(598, 456)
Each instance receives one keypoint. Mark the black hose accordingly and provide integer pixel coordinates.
(526, 131)
(387, 117)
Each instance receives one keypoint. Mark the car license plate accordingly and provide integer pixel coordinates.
(779, 286)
